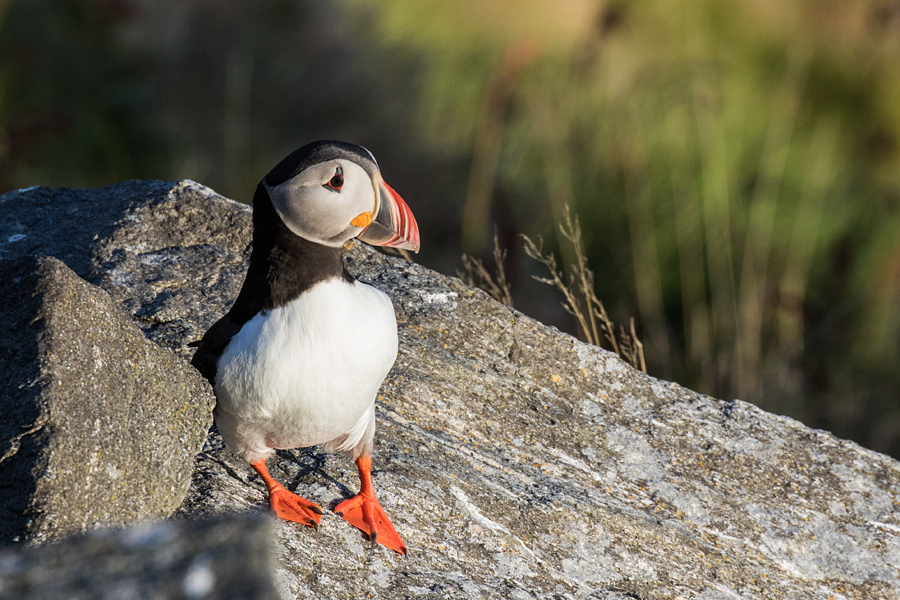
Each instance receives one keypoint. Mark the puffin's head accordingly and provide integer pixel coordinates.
(328, 192)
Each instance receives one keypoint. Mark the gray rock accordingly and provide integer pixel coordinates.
(163, 251)
(99, 425)
(515, 461)
(65, 223)
(225, 559)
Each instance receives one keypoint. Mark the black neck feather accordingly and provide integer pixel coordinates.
(282, 264)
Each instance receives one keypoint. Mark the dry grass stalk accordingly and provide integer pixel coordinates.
(474, 273)
(579, 298)
(632, 347)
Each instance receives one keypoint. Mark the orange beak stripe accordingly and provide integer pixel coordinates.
(393, 224)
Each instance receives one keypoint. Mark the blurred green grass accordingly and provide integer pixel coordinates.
(735, 168)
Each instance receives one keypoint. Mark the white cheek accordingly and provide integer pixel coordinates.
(360, 196)
(309, 212)
(316, 213)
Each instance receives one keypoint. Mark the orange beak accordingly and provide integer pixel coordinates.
(393, 224)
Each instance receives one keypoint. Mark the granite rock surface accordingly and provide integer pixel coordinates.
(100, 426)
(516, 461)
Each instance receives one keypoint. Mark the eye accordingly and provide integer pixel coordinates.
(337, 180)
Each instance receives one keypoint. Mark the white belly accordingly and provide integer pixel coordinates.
(306, 373)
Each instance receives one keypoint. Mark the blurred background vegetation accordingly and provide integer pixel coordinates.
(735, 166)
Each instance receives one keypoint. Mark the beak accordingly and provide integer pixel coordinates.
(393, 224)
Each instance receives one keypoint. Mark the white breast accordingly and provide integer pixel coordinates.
(306, 373)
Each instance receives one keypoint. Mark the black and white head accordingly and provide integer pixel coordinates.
(329, 192)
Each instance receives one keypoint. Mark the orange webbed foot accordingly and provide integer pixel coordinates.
(286, 504)
(365, 513)
(291, 507)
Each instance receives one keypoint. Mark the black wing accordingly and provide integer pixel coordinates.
(214, 342)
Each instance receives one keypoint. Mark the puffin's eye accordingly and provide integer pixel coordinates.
(337, 180)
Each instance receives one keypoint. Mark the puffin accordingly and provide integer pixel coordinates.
(298, 359)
